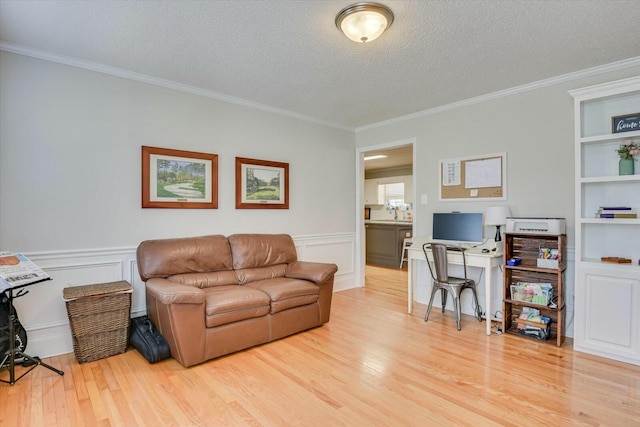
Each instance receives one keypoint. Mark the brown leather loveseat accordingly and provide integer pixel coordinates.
(214, 295)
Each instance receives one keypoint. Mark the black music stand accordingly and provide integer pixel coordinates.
(10, 355)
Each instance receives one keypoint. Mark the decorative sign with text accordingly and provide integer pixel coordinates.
(626, 123)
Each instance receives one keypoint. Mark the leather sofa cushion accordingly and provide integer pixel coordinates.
(206, 280)
(167, 257)
(287, 293)
(248, 275)
(227, 304)
(261, 250)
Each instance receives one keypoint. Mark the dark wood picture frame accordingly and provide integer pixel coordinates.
(625, 123)
(193, 176)
(274, 178)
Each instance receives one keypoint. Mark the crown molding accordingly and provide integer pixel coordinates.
(168, 84)
(143, 78)
(614, 66)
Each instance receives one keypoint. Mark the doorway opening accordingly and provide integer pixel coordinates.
(387, 202)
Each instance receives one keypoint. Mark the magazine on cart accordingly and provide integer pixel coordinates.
(18, 270)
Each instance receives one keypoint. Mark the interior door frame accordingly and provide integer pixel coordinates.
(360, 232)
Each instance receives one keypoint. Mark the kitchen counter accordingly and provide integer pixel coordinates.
(387, 222)
(384, 241)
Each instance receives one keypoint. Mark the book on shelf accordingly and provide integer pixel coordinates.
(616, 212)
(17, 270)
(616, 260)
(610, 215)
(531, 317)
(616, 208)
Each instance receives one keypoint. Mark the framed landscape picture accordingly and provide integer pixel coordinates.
(179, 179)
(261, 184)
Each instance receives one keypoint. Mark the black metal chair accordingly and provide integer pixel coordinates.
(445, 283)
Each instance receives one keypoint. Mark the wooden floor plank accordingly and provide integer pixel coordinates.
(372, 364)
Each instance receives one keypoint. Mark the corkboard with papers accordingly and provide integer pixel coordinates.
(474, 178)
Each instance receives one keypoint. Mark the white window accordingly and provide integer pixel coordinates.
(393, 194)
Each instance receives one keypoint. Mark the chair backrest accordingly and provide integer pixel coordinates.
(440, 264)
(440, 261)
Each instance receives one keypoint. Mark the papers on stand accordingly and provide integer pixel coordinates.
(17, 270)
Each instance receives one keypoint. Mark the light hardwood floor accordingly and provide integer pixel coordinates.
(372, 365)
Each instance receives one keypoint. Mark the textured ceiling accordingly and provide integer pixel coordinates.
(288, 55)
(396, 157)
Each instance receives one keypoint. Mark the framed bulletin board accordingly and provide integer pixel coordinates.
(474, 178)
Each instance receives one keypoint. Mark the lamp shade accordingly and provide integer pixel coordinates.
(364, 22)
(496, 215)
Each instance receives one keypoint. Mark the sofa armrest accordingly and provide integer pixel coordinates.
(316, 272)
(168, 292)
(178, 312)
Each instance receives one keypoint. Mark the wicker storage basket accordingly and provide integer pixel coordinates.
(99, 317)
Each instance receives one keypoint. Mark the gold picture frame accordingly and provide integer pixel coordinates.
(261, 184)
(179, 179)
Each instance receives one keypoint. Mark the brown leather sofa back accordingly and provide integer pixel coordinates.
(261, 250)
(169, 257)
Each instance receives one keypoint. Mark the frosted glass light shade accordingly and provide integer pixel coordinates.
(364, 22)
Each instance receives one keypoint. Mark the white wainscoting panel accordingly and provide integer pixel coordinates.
(42, 311)
(138, 301)
(337, 249)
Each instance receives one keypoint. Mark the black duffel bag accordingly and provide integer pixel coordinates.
(148, 340)
(20, 334)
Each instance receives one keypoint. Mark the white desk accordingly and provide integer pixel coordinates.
(475, 258)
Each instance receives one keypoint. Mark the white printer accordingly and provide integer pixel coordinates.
(536, 225)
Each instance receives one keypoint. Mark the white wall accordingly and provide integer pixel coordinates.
(534, 128)
(70, 179)
(70, 161)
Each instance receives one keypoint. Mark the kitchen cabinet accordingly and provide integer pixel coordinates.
(371, 193)
(384, 243)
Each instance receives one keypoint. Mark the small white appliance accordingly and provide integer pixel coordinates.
(536, 225)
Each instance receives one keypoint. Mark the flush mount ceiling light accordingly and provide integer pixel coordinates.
(377, 156)
(364, 22)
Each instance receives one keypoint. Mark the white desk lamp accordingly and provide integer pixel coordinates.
(497, 215)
